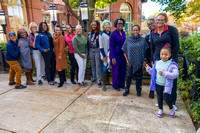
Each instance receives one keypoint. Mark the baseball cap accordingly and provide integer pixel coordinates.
(11, 33)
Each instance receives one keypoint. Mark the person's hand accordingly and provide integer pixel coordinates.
(36, 34)
(85, 57)
(60, 57)
(161, 73)
(19, 44)
(129, 64)
(105, 59)
(114, 61)
(152, 64)
(46, 50)
(147, 66)
(144, 63)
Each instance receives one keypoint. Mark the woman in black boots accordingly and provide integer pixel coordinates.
(61, 54)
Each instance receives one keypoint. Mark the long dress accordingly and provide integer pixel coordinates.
(59, 48)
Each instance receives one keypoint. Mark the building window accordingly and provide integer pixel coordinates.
(16, 9)
(125, 13)
(102, 14)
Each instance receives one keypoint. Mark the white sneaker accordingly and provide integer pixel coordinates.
(156, 104)
(175, 108)
(160, 113)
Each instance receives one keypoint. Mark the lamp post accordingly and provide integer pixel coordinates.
(3, 21)
(84, 13)
(53, 14)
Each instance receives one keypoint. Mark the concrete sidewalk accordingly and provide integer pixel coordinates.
(74, 109)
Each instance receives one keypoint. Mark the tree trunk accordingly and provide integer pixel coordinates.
(91, 14)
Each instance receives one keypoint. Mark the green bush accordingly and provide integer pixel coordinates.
(193, 45)
(3, 45)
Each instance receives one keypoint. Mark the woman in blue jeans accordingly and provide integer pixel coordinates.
(44, 43)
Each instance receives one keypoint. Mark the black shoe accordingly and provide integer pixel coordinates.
(12, 83)
(44, 77)
(126, 92)
(151, 94)
(122, 87)
(73, 82)
(51, 83)
(99, 84)
(20, 87)
(54, 82)
(84, 84)
(39, 82)
(118, 89)
(60, 85)
(138, 94)
(93, 81)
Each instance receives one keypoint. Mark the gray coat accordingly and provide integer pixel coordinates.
(25, 55)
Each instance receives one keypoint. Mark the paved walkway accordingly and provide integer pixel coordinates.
(74, 109)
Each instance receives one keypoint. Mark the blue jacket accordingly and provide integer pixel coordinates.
(12, 51)
(171, 74)
(42, 41)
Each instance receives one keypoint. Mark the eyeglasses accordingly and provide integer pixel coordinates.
(120, 23)
(162, 20)
(150, 24)
(135, 30)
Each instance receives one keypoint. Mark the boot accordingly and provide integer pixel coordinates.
(151, 94)
(60, 73)
(107, 79)
(126, 92)
(32, 76)
(64, 78)
(28, 77)
(104, 80)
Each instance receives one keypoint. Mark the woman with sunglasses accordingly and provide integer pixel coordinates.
(162, 35)
(117, 58)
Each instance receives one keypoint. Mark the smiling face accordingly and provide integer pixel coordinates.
(57, 31)
(23, 34)
(120, 25)
(33, 29)
(135, 31)
(151, 25)
(78, 30)
(160, 21)
(44, 27)
(165, 55)
(69, 29)
(13, 38)
(94, 25)
(107, 27)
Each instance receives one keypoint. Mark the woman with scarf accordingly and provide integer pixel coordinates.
(134, 49)
(104, 41)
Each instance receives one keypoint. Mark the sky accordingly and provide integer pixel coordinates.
(149, 8)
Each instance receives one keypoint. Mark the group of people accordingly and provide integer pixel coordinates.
(112, 50)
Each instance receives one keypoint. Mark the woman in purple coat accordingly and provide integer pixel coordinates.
(117, 58)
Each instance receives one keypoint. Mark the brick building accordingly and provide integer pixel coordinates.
(22, 12)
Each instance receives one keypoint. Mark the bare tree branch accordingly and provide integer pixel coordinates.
(70, 10)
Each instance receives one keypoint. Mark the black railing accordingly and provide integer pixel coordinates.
(188, 75)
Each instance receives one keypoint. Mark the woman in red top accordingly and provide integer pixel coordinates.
(68, 39)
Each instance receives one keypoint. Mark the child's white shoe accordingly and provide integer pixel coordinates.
(175, 108)
(160, 113)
